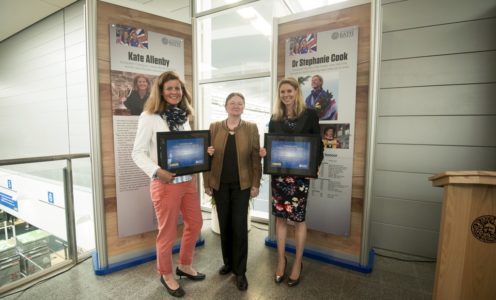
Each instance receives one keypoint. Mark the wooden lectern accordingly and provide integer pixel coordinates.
(466, 255)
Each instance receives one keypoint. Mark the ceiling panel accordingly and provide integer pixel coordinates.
(15, 15)
(19, 14)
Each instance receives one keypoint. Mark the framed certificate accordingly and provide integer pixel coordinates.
(184, 152)
(289, 154)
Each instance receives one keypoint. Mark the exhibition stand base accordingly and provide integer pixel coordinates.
(133, 261)
(329, 259)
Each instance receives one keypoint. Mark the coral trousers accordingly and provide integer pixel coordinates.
(168, 200)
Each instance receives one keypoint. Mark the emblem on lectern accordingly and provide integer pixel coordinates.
(484, 229)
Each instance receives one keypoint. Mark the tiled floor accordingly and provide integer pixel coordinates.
(390, 279)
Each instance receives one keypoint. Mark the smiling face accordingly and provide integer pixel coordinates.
(142, 84)
(235, 106)
(329, 134)
(287, 94)
(316, 82)
(172, 92)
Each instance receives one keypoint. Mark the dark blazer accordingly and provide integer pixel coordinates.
(307, 123)
(135, 103)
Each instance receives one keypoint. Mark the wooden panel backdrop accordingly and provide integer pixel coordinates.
(354, 16)
(112, 14)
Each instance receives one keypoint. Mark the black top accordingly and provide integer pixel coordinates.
(230, 164)
(307, 123)
(135, 103)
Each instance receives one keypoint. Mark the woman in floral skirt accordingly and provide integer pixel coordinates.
(289, 193)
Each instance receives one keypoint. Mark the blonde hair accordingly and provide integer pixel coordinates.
(156, 104)
(279, 109)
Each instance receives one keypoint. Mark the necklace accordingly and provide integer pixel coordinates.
(232, 130)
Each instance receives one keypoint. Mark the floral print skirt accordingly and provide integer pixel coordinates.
(289, 197)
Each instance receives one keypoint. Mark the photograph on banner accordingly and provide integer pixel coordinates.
(335, 135)
(130, 92)
(303, 44)
(130, 36)
(321, 92)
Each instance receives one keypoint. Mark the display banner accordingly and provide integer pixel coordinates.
(325, 64)
(137, 57)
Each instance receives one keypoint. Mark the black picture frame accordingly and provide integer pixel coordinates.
(184, 152)
(291, 154)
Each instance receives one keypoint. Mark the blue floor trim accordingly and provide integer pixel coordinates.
(317, 255)
(133, 261)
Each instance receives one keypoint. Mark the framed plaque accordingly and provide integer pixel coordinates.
(289, 154)
(184, 152)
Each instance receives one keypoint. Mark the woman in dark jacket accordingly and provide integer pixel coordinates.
(138, 96)
(290, 193)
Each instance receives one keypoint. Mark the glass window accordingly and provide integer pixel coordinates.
(237, 41)
(204, 5)
(257, 110)
(304, 5)
(235, 44)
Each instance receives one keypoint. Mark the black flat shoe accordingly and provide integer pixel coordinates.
(241, 282)
(279, 279)
(179, 292)
(294, 282)
(198, 276)
(226, 269)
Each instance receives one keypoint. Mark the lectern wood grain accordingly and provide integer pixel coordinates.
(466, 266)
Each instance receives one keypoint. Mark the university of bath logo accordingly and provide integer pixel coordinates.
(335, 35)
(171, 42)
(484, 229)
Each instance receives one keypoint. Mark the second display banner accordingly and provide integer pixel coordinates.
(325, 64)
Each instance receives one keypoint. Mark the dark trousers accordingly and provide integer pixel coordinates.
(232, 209)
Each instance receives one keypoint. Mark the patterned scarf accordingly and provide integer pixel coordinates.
(175, 117)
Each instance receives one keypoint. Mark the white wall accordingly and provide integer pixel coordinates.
(44, 111)
(43, 102)
(436, 112)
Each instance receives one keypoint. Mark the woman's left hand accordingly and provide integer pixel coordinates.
(254, 192)
(262, 152)
(165, 176)
(318, 174)
(211, 150)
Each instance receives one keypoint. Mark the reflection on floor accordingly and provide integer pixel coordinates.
(390, 279)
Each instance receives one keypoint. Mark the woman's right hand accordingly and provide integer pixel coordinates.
(262, 152)
(208, 191)
(165, 176)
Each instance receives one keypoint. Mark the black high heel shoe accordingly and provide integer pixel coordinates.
(198, 276)
(293, 282)
(279, 279)
(178, 293)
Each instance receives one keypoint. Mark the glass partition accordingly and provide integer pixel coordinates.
(34, 232)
